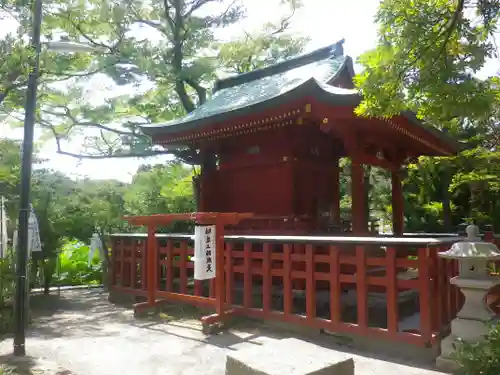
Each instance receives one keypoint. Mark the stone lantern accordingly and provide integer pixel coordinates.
(474, 281)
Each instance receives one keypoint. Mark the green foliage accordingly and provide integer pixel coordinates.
(162, 189)
(10, 156)
(425, 59)
(70, 211)
(258, 51)
(6, 294)
(166, 53)
(423, 62)
(74, 268)
(480, 358)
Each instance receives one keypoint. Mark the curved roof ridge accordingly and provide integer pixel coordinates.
(334, 50)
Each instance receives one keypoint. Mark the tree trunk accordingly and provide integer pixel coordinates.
(446, 199)
(368, 170)
(49, 268)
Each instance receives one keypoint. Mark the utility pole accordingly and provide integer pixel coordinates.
(21, 295)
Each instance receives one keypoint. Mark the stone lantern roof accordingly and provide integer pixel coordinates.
(472, 248)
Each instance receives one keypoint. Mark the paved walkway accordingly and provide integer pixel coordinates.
(82, 332)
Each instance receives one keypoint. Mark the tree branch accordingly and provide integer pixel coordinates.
(200, 90)
(447, 29)
(89, 124)
(110, 154)
(451, 26)
(285, 23)
(87, 37)
(120, 156)
(169, 19)
(11, 84)
(8, 89)
(224, 14)
(155, 25)
(77, 75)
(178, 24)
(195, 5)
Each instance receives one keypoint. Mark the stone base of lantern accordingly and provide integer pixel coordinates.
(447, 365)
(465, 329)
(471, 322)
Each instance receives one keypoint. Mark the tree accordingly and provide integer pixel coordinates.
(164, 52)
(71, 210)
(427, 55)
(162, 189)
(10, 156)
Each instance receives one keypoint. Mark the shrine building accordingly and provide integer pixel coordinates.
(269, 142)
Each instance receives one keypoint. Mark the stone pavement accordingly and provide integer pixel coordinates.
(82, 332)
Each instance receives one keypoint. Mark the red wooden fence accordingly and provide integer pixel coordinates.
(307, 280)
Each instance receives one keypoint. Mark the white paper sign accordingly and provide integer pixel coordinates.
(3, 229)
(34, 242)
(204, 252)
(95, 245)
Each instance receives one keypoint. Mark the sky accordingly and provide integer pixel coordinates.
(323, 21)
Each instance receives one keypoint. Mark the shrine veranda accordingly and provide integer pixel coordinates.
(269, 143)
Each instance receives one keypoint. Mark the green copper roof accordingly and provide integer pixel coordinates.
(247, 90)
(262, 89)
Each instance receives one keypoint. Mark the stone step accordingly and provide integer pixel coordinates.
(289, 357)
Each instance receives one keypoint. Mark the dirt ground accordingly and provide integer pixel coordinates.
(81, 333)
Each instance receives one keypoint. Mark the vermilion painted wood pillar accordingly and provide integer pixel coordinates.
(358, 206)
(200, 186)
(335, 207)
(397, 203)
(152, 263)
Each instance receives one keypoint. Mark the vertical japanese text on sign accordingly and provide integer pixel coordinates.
(204, 252)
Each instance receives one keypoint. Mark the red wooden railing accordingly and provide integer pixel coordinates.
(327, 283)
(152, 262)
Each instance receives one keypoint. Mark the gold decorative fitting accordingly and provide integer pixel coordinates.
(308, 108)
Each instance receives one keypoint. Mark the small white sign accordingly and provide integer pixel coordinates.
(204, 252)
(34, 242)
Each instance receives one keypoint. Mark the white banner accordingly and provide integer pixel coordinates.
(3, 229)
(95, 245)
(204, 252)
(34, 243)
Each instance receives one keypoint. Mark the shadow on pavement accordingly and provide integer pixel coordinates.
(87, 313)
